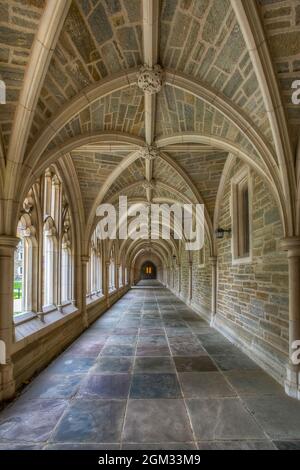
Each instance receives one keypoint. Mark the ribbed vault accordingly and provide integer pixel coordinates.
(85, 110)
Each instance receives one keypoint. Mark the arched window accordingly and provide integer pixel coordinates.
(25, 275)
(66, 270)
(18, 275)
(112, 270)
(94, 268)
(50, 263)
(120, 275)
(98, 270)
(66, 261)
(44, 258)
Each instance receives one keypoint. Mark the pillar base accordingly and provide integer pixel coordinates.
(7, 384)
(292, 382)
(41, 316)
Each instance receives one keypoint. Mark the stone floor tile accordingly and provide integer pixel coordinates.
(78, 446)
(235, 362)
(204, 385)
(187, 349)
(219, 419)
(153, 365)
(105, 386)
(95, 421)
(31, 420)
(53, 386)
(155, 386)
(71, 365)
(122, 340)
(160, 446)
(117, 350)
(152, 350)
(279, 416)
(194, 364)
(151, 421)
(253, 382)
(287, 445)
(106, 365)
(236, 445)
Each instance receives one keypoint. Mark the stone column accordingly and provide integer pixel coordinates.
(131, 280)
(168, 276)
(292, 383)
(106, 280)
(190, 296)
(214, 262)
(7, 249)
(58, 278)
(179, 279)
(84, 263)
(117, 271)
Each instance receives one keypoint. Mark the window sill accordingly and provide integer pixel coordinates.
(237, 261)
(24, 317)
(90, 299)
(33, 327)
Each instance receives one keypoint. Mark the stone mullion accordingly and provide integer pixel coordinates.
(190, 293)
(40, 273)
(106, 279)
(84, 266)
(179, 279)
(117, 269)
(58, 276)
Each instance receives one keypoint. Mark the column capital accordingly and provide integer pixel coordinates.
(291, 245)
(213, 260)
(7, 241)
(85, 259)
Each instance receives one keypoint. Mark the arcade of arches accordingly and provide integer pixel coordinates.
(168, 101)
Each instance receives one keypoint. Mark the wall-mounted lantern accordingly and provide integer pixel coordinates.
(220, 232)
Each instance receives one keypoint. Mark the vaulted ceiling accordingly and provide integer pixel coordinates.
(71, 72)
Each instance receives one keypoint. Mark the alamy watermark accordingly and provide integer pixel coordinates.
(295, 358)
(149, 221)
(2, 92)
(296, 92)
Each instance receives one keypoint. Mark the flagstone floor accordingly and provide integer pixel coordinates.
(150, 374)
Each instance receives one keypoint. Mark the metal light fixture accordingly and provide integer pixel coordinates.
(221, 231)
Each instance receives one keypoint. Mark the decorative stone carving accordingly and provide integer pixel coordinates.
(29, 231)
(150, 79)
(28, 204)
(149, 152)
(149, 184)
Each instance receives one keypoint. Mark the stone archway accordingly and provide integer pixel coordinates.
(148, 271)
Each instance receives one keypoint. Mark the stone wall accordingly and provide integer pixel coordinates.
(201, 280)
(184, 266)
(252, 304)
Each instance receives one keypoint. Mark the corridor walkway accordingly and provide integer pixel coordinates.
(150, 374)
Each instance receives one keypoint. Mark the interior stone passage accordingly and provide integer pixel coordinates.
(127, 340)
